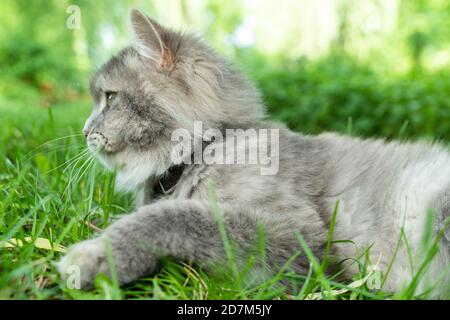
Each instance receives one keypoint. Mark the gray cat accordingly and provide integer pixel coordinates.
(165, 82)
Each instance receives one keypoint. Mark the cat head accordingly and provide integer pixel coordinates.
(164, 81)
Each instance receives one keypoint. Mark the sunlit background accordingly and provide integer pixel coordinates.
(366, 67)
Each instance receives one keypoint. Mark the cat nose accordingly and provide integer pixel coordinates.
(86, 133)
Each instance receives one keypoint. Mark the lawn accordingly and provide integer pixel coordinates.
(54, 194)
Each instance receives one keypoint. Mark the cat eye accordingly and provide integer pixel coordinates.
(110, 96)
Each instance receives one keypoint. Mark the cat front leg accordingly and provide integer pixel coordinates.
(182, 229)
(188, 230)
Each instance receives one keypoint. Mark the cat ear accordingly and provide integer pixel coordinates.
(149, 39)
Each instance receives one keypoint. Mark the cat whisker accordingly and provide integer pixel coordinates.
(69, 162)
(54, 140)
(73, 161)
(31, 153)
(75, 176)
(84, 168)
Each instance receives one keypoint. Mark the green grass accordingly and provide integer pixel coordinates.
(50, 189)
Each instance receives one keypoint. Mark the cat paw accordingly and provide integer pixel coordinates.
(82, 263)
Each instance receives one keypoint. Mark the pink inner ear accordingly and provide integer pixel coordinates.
(166, 58)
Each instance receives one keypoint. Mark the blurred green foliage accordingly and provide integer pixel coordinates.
(354, 87)
(32, 48)
(336, 94)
